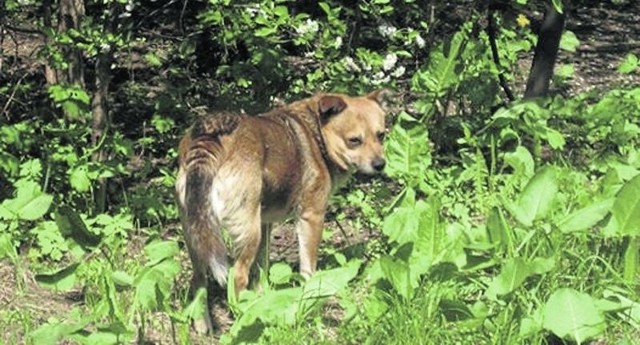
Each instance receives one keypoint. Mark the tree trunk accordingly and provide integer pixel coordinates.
(101, 121)
(71, 14)
(545, 54)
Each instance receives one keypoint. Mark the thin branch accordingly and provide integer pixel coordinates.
(491, 31)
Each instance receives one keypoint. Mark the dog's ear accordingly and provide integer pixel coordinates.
(381, 97)
(330, 105)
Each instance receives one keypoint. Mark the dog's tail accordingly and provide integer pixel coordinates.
(201, 225)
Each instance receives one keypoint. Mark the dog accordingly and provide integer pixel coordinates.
(241, 173)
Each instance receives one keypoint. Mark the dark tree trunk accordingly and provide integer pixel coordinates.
(545, 54)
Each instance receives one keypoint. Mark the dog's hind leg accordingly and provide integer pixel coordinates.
(247, 244)
(263, 262)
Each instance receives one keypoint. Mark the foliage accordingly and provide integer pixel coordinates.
(502, 222)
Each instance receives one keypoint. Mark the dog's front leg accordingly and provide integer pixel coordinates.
(309, 230)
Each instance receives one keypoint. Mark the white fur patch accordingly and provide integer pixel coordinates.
(219, 270)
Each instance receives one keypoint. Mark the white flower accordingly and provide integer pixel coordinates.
(380, 78)
(420, 41)
(338, 43)
(351, 65)
(254, 10)
(309, 26)
(387, 30)
(389, 61)
(398, 72)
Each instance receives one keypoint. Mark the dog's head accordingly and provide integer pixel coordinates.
(353, 129)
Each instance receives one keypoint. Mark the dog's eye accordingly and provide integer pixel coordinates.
(354, 141)
(380, 136)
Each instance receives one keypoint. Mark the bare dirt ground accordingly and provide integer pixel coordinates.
(606, 33)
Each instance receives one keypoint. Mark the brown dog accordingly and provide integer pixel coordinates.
(238, 172)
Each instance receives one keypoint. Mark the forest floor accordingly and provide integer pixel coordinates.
(607, 34)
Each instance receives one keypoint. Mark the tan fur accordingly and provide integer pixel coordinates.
(238, 172)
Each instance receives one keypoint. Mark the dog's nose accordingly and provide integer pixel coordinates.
(378, 164)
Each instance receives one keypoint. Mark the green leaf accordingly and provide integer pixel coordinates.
(196, 308)
(586, 217)
(630, 64)
(61, 280)
(512, 275)
(498, 229)
(71, 225)
(160, 250)
(398, 274)
(407, 150)
(444, 67)
(79, 179)
(327, 282)
(122, 278)
(263, 32)
(532, 324)
(536, 199)
(54, 331)
(555, 139)
(7, 246)
(626, 208)
(30, 203)
(521, 161)
(146, 288)
(569, 41)
(573, 315)
(280, 273)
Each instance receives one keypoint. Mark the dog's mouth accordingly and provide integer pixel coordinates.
(372, 168)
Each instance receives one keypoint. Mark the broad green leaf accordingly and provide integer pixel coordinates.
(160, 250)
(444, 67)
(573, 315)
(54, 331)
(542, 265)
(30, 202)
(280, 273)
(555, 139)
(327, 282)
(630, 64)
(397, 273)
(569, 41)
(402, 225)
(79, 179)
(512, 275)
(521, 161)
(122, 278)
(146, 288)
(266, 31)
(532, 324)
(626, 208)
(407, 150)
(536, 199)
(275, 307)
(431, 241)
(586, 217)
(61, 280)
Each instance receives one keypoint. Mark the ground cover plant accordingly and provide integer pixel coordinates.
(510, 213)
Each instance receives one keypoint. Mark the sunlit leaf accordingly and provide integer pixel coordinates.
(586, 217)
(573, 315)
(626, 208)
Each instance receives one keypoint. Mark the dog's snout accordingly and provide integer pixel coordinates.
(378, 164)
